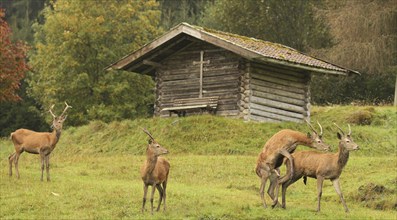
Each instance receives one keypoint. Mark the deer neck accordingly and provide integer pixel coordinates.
(343, 156)
(56, 134)
(151, 161)
(303, 139)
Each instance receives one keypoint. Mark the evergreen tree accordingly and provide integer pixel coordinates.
(174, 12)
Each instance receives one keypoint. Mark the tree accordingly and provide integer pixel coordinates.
(174, 12)
(292, 23)
(365, 33)
(21, 15)
(77, 41)
(13, 64)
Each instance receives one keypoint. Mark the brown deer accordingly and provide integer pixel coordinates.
(280, 145)
(321, 166)
(154, 172)
(42, 143)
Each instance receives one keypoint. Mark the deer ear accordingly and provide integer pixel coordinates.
(339, 136)
(309, 135)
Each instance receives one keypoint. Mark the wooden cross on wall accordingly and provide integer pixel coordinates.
(201, 62)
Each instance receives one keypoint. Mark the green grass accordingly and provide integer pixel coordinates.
(95, 171)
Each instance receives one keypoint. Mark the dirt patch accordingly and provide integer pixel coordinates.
(376, 197)
(361, 117)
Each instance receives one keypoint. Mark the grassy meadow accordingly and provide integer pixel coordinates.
(95, 170)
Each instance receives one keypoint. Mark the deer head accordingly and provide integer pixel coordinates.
(57, 122)
(316, 137)
(346, 140)
(153, 146)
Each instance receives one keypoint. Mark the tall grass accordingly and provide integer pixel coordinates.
(95, 170)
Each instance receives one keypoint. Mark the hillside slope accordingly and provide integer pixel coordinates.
(374, 129)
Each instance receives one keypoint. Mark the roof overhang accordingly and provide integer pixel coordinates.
(146, 59)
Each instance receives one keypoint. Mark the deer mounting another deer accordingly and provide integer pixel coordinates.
(154, 172)
(42, 143)
(280, 145)
(321, 166)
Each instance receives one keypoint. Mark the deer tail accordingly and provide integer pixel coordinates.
(11, 135)
(304, 179)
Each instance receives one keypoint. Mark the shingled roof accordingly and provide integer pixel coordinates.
(249, 48)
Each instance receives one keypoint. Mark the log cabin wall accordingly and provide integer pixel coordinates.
(179, 78)
(278, 94)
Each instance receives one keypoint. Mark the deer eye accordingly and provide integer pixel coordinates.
(318, 141)
(347, 141)
(158, 146)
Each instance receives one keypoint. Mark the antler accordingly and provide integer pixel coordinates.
(53, 115)
(321, 129)
(148, 133)
(311, 126)
(66, 108)
(350, 130)
(341, 129)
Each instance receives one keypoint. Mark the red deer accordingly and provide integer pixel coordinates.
(42, 143)
(154, 172)
(321, 166)
(280, 145)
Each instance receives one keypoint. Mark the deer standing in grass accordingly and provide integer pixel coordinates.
(154, 172)
(42, 143)
(280, 145)
(321, 166)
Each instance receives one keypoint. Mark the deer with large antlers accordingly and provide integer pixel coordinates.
(281, 145)
(42, 143)
(154, 172)
(321, 166)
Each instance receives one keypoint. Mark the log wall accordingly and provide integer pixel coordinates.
(278, 94)
(180, 78)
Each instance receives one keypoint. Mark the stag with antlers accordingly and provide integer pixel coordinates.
(281, 145)
(42, 143)
(321, 166)
(154, 172)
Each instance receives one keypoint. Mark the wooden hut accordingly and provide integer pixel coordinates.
(198, 69)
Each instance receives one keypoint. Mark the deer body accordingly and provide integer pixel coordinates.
(280, 145)
(154, 172)
(31, 141)
(42, 143)
(320, 166)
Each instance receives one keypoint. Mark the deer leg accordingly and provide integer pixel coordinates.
(16, 159)
(152, 198)
(164, 194)
(10, 160)
(161, 192)
(47, 166)
(284, 189)
(145, 186)
(286, 154)
(42, 157)
(283, 193)
(264, 178)
(320, 181)
(274, 186)
(335, 182)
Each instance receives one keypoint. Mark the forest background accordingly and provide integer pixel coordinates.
(53, 51)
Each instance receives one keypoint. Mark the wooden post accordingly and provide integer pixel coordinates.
(395, 93)
(201, 62)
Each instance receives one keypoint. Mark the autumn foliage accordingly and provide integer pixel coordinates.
(13, 64)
